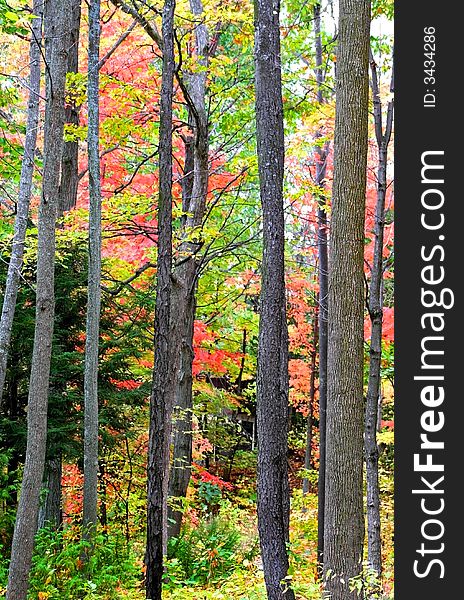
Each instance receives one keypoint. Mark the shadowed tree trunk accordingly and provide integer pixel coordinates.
(195, 190)
(56, 38)
(24, 195)
(12, 407)
(50, 512)
(69, 161)
(272, 376)
(374, 542)
(344, 519)
(89, 521)
(182, 424)
(164, 370)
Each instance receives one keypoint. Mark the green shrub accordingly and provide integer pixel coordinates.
(207, 553)
(58, 571)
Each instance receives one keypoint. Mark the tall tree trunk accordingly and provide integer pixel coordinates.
(161, 401)
(50, 512)
(89, 521)
(25, 190)
(344, 519)
(56, 37)
(374, 543)
(272, 376)
(69, 161)
(13, 461)
(182, 422)
(184, 291)
(323, 279)
(312, 395)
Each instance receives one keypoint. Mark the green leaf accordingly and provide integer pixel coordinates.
(11, 16)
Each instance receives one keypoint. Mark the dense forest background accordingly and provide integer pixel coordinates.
(196, 274)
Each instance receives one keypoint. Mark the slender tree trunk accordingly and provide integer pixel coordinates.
(374, 543)
(89, 521)
(184, 292)
(13, 462)
(103, 497)
(312, 394)
(69, 161)
(50, 512)
(323, 279)
(24, 195)
(272, 376)
(50, 508)
(161, 399)
(344, 519)
(56, 37)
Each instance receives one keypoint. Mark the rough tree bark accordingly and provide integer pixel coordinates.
(182, 418)
(322, 153)
(195, 189)
(69, 160)
(161, 401)
(89, 521)
(374, 543)
(56, 37)
(50, 512)
(272, 376)
(344, 519)
(24, 195)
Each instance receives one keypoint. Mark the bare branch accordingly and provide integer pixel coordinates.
(122, 284)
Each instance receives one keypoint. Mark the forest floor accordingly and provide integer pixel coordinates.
(245, 581)
(215, 558)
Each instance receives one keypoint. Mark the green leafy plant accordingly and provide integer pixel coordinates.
(207, 553)
(58, 571)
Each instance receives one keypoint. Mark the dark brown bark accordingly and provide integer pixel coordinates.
(272, 376)
(69, 161)
(25, 189)
(182, 418)
(161, 398)
(50, 513)
(195, 189)
(56, 36)
(344, 519)
(89, 520)
(374, 542)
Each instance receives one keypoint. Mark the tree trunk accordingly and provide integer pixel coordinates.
(272, 376)
(374, 542)
(323, 279)
(161, 401)
(69, 161)
(344, 520)
(312, 394)
(56, 15)
(89, 521)
(14, 460)
(182, 421)
(24, 195)
(184, 292)
(50, 512)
